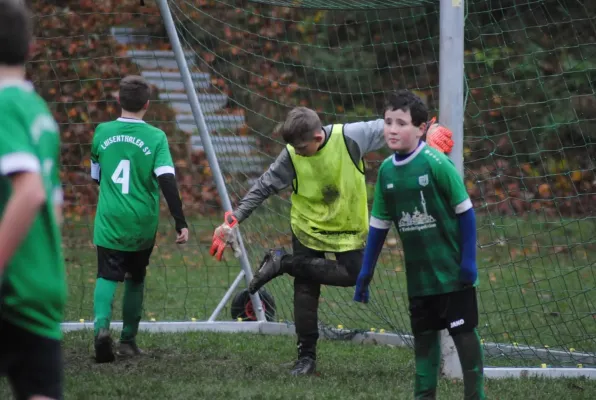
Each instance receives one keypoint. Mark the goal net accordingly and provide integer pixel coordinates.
(528, 147)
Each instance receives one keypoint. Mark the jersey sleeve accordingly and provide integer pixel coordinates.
(379, 208)
(450, 183)
(95, 168)
(16, 150)
(163, 163)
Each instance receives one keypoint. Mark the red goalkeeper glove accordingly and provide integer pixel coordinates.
(225, 234)
(439, 137)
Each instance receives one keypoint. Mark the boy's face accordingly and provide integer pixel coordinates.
(310, 147)
(400, 134)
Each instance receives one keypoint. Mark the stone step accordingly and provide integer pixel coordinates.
(125, 35)
(172, 81)
(158, 59)
(186, 122)
(227, 144)
(209, 102)
(243, 165)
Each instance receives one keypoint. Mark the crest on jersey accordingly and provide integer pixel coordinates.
(423, 180)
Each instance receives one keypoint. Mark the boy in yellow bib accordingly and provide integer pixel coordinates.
(325, 167)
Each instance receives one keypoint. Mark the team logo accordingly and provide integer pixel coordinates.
(423, 180)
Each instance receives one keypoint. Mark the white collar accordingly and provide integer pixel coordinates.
(421, 146)
(131, 120)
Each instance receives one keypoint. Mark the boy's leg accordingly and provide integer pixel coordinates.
(306, 306)
(462, 320)
(33, 363)
(341, 272)
(110, 271)
(132, 304)
(426, 323)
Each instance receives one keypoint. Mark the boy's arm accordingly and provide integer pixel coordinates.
(18, 162)
(367, 136)
(277, 177)
(453, 188)
(166, 177)
(95, 168)
(362, 137)
(28, 195)
(379, 225)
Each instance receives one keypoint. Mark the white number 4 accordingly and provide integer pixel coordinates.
(122, 175)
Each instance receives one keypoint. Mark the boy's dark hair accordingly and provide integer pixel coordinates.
(405, 100)
(15, 32)
(134, 93)
(300, 125)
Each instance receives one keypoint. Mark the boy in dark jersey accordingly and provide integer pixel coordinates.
(420, 191)
(131, 161)
(33, 286)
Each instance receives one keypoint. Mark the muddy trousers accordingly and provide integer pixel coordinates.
(310, 270)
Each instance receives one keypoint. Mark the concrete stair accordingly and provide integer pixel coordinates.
(237, 154)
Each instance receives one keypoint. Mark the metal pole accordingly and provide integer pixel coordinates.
(451, 112)
(226, 297)
(205, 138)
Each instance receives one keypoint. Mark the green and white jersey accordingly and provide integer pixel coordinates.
(33, 292)
(422, 196)
(129, 155)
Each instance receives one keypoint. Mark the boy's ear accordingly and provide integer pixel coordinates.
(146, 106)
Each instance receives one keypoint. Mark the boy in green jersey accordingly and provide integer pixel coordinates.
(131, 161)
(420, 191)
(33, 286)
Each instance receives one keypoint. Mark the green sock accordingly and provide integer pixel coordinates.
(132, 308)
(471, 358)
(102, 303)
(427, 352)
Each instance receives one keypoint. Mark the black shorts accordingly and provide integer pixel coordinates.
(456, 311)
(32, 363)
(115, 265)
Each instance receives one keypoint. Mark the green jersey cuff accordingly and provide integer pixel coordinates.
(18, 162)
(380, 223)
(463, 206)
(164, 170)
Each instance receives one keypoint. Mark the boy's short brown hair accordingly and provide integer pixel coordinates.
(134, 93)
(300, 125)
(15, 32)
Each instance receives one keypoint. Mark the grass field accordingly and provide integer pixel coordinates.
(244, 366)
(537, 281)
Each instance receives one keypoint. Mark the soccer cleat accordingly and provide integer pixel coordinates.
(269, 269)
(128, 349)
(103, 347)
(304, 366)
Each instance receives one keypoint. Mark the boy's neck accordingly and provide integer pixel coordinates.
(405, 154)
(133, 115)
(9, 73)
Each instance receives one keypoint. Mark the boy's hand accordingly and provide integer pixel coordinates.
(182, 236)
(469, 272)
(439, 137)
(361, 292)
(225, 234)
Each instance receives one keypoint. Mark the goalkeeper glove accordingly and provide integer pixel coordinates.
(439, 137)
(226, 234)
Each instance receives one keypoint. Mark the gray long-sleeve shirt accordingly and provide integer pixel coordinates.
(361, 138)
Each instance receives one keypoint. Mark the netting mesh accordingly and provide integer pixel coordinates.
(528, 148)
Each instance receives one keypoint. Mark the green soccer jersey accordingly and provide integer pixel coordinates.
(422, 196)
(127, 156)
(33, 292)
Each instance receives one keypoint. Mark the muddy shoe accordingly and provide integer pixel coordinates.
(128, 349)
(304, 366)
(269, 269)
(103, 347)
